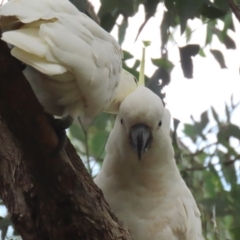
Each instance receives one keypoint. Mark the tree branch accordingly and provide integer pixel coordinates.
(48, 196)
(235, 9)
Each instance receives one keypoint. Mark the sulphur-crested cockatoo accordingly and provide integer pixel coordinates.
(139, 177)
(73, 65)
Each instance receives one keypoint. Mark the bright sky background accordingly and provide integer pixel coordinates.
(211, 86)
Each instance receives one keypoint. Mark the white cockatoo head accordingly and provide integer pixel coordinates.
(144, 123)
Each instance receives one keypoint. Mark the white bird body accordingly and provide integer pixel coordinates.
(147, 195)
(74, 65)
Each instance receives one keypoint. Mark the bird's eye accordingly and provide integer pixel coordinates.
(160, 124)
(121, 121)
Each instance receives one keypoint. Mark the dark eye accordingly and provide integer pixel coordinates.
(160, 124)
(121, 121)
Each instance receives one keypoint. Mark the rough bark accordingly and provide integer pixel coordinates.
(48, 195)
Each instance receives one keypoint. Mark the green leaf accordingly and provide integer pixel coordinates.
(219, 202)
(201, 157)
(133, 70)
(235, 232)
(225, 39)
(122, 30)
(153, 82)
(127, 55)
(107, 6)
(229, 130)
(80, 5)
(110, 11)
(127, 7)
(188, 10)
(108, 19)
(229, 42)
(164, 28)
(211, 11)
(113, 8)
(219, 57)
(169, 4)
(188, 33)
(229, 172)
(222, 4)
(150, 7)
(228, 23)
(211, 26)
(190, 131)
(198, 127)
(77, 132)
(201, 53)
(204, 120)
(227, 111)
(186, 54)
(225, 132)
(100, 122)
(215, 115)
(212, 186)
(141, 80)
(183, 10)
(146, 43)
(97, 144)
(136, 64)
(163, 62)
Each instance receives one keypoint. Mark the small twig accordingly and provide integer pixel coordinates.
(86, 146)
(226, 163)
(237, 104)
(199, 151)
(235, 9)
(196, 168)
(101, 152)
(232, 161)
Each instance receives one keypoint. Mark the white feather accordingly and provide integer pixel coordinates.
(148, 195)
(64, 45)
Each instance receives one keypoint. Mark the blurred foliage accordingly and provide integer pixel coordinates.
(211, 170)
(205, 150)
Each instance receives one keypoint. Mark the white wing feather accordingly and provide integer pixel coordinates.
(62, 43)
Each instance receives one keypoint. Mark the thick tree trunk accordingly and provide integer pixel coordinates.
(48, 195)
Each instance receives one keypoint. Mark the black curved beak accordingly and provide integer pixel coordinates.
(140, 138)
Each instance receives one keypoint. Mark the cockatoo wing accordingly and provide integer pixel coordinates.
(180, 217)
(53, 37)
